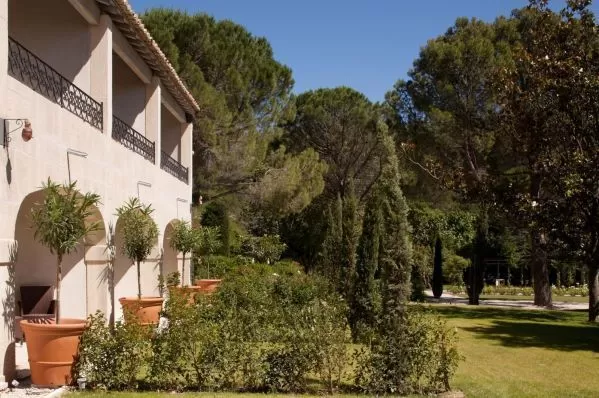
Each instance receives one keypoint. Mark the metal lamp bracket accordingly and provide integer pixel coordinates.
(6, 132)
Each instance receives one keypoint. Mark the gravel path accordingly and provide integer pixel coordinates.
(448, 298)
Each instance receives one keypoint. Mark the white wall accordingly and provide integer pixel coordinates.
(41, 25)
(171, 134)
(128, 95)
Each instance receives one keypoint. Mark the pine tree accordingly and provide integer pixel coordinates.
(438, 269)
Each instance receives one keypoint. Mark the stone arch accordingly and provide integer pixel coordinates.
(35, 265)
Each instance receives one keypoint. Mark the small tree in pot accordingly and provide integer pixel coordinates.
(184, 240)
(139, 235)
(61, 223)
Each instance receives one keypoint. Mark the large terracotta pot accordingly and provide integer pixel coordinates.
(52, 349)
(188, 291)
(208, 286)
(146, 310)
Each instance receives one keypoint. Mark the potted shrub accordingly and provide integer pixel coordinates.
(208, 242)
(61, 222)
(139, 232)
(184, 239)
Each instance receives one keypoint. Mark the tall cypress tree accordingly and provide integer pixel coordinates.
(395, 250)
(349, 242)
(363, 311)
(438, 269)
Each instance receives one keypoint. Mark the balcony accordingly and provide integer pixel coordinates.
(173, 167)
(30, 70)
(133, 140)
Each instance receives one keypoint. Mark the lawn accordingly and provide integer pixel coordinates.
(508, 353)
(524, 353)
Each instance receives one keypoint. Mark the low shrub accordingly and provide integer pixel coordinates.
(216, 267)
(112, 359)
(415, 354)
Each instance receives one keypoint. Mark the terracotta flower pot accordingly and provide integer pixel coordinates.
(52, 349)
(208, 286)
(189, 291)
(146, 310)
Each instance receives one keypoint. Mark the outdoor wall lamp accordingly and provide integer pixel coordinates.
(26, 132)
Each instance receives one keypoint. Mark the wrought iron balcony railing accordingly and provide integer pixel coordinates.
(133, 140)
(29, 69)
(173, 167)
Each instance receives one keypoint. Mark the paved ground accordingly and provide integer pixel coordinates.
(448, 298)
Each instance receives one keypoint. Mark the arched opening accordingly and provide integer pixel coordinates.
(35, 273)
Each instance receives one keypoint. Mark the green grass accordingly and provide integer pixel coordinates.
(524, 353)
(507, 353)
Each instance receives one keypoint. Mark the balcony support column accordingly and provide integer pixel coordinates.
(187, 151)
(101, 69)
(153, 117)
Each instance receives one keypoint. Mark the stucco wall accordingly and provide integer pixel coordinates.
(40, 25)
(170, 134)
(128, 95)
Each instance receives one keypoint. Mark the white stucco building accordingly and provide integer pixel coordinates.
(107, 111)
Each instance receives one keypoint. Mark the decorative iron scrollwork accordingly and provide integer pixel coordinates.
(173, 167)
(29, 69)
(133, 140)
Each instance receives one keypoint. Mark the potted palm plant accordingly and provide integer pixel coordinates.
(61, 223)
(139, 232)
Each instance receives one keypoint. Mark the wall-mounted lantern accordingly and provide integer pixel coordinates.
(26, 132)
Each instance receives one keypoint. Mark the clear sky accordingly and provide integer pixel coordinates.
(364, 44)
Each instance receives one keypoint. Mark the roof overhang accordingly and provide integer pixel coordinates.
(131, 26)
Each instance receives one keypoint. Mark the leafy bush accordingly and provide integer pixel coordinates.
(112, 359)
(453, 269)
(264, 249)
(214, 266)
(415, 354)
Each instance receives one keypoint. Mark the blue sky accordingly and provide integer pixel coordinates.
(364, 44)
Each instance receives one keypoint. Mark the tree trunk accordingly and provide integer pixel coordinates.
(183, 272)
(58, 281)
(540, 271)
(111, 292)
(538, 255)
(593, 292)
(138, 280)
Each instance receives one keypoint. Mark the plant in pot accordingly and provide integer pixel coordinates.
(139, 235)
(61, 223)
(208, 242)
(184, 239)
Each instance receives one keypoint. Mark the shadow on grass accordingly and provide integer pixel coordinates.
(550, 336)
(557, 330)
(514, 314)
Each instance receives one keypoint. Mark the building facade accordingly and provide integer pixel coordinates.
(107, 111)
